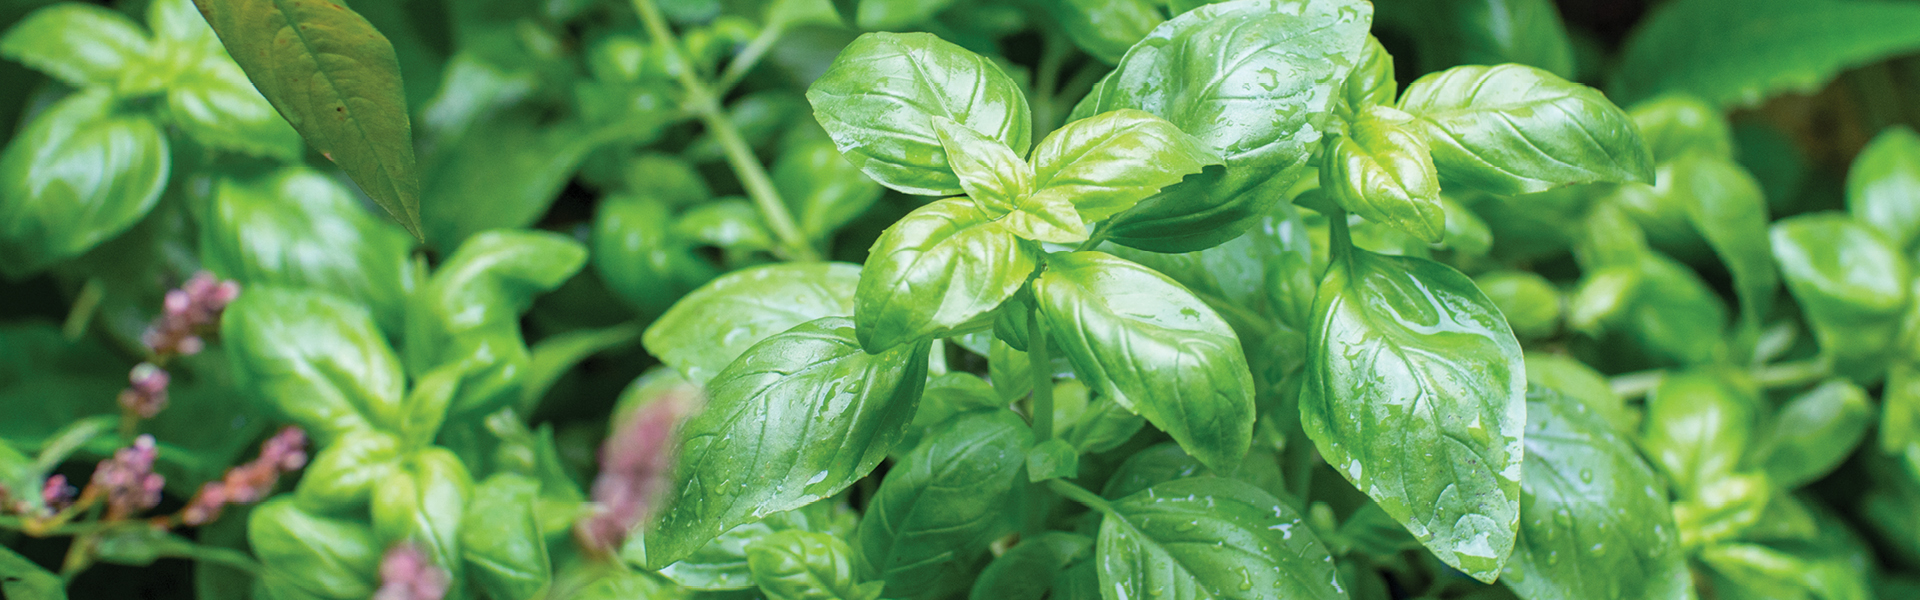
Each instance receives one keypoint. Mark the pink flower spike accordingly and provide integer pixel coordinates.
(636, 470)
(286, 451)
(128, 479)
(56, 494)
(406, 574)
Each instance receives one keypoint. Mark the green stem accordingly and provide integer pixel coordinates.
(1046, 81)
(1339, 239)
(1100, 234)
(1079, 494)
(740, 156)
(84, 307)
(748, 58)
(1042, 367)
(1778, 375)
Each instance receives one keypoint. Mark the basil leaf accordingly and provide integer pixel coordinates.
(706, 330)
(1207, 537)
(307, 555)
(1514, 129)
(1057, 458)
(802, 565)
(730, 224)
(468, 314)
(343, 474)
(1813, 433)
(1027, 571)
(824, 191)
(1726, 206)
(500, 538)
(337, 80)
(1529, 302)
(947, 396)
(341, 377)
(1882, 183)
(257, 233)
(1105, 29)
(1576, 380)
(1382, 170)
(1254, 80)
(424, 502)
(1139, 338)
(897, 14)
(990, 172)
(1697, 427)
(1684, 321)
(879, 97)
(1415, 392)
(940, 267)
(1757, 48)
(516, 161)
(1594, 517)
(1370, 84)
(722, 563)
(81, 45)
(78, 174)
(26, 580)
(1107, 163)
(947, 498)
(215, 104)
(1676, 124)
(1851, 282)
(798, 417)
(1153, 466)
(641, 260)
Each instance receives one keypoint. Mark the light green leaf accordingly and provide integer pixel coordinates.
(706, 330)
(798, 417)
(802, 565)
(940, 267)
(1883, 185)
(722, 563)
(1813, 433)
(1370, 84)
(424, 502)
(340, 378)
(1726, 205)
(1107, 163)
(1676, 124)
(878, 99)
(1210, 538)
(21, 579)
(82, 45)
(1057, 458)
(1105, 29)
(337, 80)
(1576, 380)
(298, 228)
(1851, 282)
(1254, 80)
(640, 258)
(1415, 392)
(1514, 129)
(1528, 301)
(501, 541)
(1697, 427)
(1730, 52)
(78, 174)
(1594, 518)
(213, 102)
(1146, 342)
(1383, 171)
(897, 14)
(945, 500)
(313, 555)
(990, 172)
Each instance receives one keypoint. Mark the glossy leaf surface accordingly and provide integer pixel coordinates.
(706, 330)
(77, 175)
(1107, 163)
(1515, 129)
(1208, 537)
(941, 266)
(1382, 170)
(944, 500)
(803, 565)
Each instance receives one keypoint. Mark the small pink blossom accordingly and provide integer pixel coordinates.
(406, 574)
(188, 312)
(148, 394)
(636, 470)
(128, 479)
(285, 452)
(56, 494)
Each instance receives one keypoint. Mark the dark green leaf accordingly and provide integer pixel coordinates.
(1594, 517)
(1150, 467)
(878, 100)
(1813, 433)
(1254, 80)
(1515, 129)
(505, 171)
(794, 564)
(501, 541)
(641, 260)
(798, 417)
(1206, 537)
(1382, 170)
(710, 327)
(1105, 164)
(339, 378)
(1027, 571)
(1105, 29)
(300, 229)
(1415, 392)
(80, 44)
(77, 175)
(21, 579)
(1731, 52)
(1882, 185)
(940, 267)
(1139, 338)
(1057, 458)
(945, 500)
(337, 80)
(823, 190)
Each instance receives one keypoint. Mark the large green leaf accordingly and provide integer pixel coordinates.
(299, 228)
(878, 100)
(1514, 129)
(1851, 282)
(1594, 519)
(798, 417)
(80, 44)
(339, 378)
(1726, 205)
(1743, 51)
(1252, 79)
(468, 315)
(1206, 538)
(1883, 183)
(794, 564)
(1146, 342)
(501, 541)
(940, 267)
(1383, 171)
(425, 502)
(945, 500)
(710, 327)
(307, 555)
(337, 80)
(1107, 163)
(1697, 427)
(1813, 433)
(79, 174)
(1415, 392)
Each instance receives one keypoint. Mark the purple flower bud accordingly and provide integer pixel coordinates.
(56, 494)
(149, 392)
(128, 479)
(188, 311)
(286, 451)
(406, 574)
